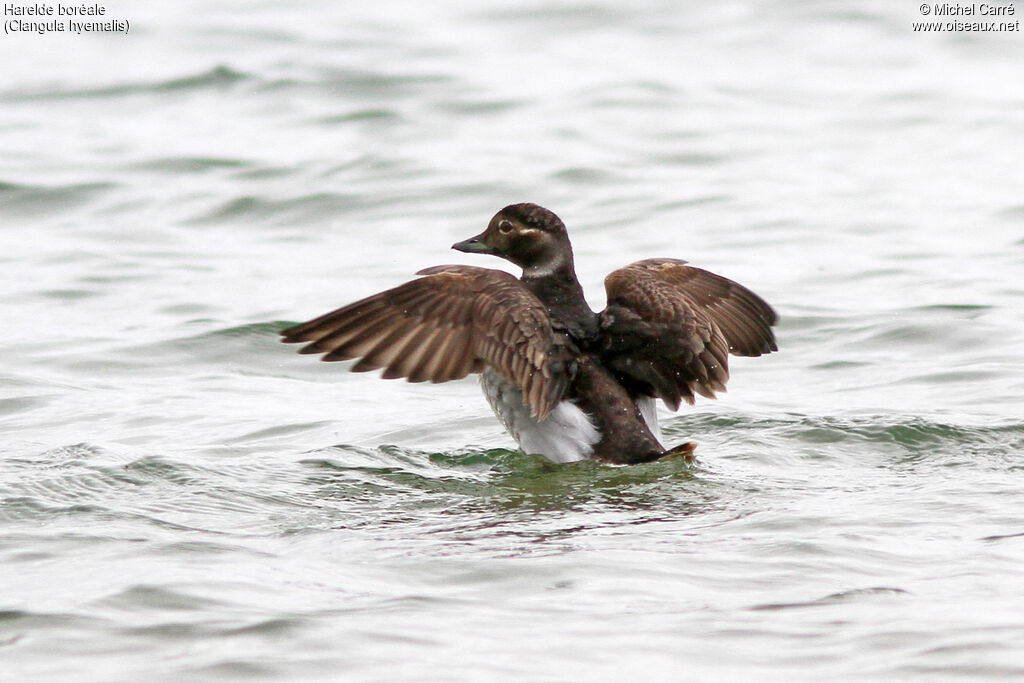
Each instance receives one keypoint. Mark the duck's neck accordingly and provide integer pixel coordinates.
(555, 284)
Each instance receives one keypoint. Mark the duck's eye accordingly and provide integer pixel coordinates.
(505, 226)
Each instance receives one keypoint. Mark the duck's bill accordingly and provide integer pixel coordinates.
(474, 245)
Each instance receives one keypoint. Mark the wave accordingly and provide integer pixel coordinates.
(898, 438)
(216, 77)
(36, 200)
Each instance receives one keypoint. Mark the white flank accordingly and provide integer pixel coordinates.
(566, 435)
(649, 409)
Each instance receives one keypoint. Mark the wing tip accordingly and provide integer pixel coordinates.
(293, 334)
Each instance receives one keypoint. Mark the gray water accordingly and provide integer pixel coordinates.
(184, 498)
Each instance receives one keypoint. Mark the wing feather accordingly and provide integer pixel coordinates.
(388, 349)
(448, 323)
(669, 328)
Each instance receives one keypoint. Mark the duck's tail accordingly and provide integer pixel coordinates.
(683, 451)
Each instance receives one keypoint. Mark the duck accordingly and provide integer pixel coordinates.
(568, 383)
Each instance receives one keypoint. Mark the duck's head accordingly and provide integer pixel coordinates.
(528, 235)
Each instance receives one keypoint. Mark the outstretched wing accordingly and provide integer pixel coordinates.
(452, 321)
(669, 328)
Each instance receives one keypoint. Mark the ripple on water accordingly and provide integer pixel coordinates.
(217, 77)
(42, 200)
(311, 208)
(217, 348)
(144, 598)
(183, 165)
(909, 435)
(499, 488)
(98, 488)
(853, 595)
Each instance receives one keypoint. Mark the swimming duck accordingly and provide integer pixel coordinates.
(567, 383)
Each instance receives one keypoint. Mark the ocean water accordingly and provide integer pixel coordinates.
(182, 497)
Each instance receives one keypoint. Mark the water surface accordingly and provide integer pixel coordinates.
(184, 498)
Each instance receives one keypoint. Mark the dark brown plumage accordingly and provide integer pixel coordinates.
(452, 321)
(666, 333)
(668, 328)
